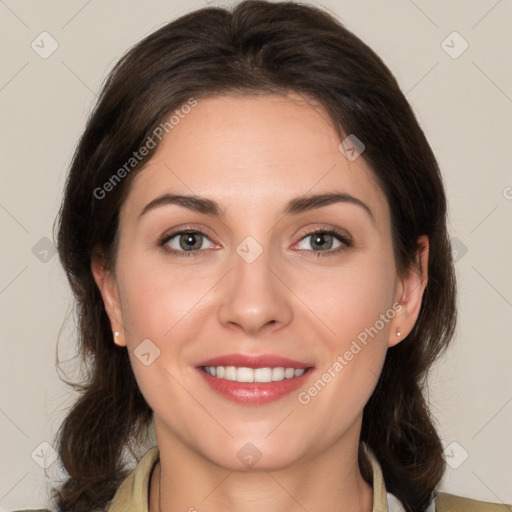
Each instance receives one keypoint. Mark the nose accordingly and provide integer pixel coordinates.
(255, 298)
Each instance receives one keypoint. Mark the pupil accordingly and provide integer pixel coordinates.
(319, 240)
(190, 241)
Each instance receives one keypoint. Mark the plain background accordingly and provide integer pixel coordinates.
(464, 105)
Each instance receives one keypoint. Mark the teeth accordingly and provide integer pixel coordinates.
(262, 374)
(242, 374)
(289, 373)
(278, 373)
(230, 373)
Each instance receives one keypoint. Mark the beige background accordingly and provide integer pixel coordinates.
(464, 105)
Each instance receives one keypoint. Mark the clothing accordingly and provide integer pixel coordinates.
(132, 494)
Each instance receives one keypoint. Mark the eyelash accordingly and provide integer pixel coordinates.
(188, 254)
(346, 243)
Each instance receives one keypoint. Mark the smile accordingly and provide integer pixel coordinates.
(254, 379)
(243, 374)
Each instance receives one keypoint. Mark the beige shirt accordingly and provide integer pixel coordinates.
(132, 495)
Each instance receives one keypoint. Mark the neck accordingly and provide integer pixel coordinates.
(183, 481)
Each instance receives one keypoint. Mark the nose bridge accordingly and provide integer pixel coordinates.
(254, 297)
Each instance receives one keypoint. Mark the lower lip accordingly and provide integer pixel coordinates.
(254, 393)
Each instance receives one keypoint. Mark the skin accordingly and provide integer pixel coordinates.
(252, 155)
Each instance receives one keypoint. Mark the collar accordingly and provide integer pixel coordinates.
(132, 494)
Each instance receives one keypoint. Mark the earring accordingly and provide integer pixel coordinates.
(116, 335)
(398, 333)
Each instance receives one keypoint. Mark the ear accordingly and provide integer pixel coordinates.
(106, 282)
(409, 294)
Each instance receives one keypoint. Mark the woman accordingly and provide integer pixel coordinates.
(254, 227)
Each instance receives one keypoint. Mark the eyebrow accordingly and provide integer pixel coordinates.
(295, 206)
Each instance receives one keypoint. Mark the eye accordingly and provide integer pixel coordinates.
(191, 242)
(185, 243)
(324, 241)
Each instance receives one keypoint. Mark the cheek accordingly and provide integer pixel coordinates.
(355, 305)
(157, 307)
(160, 305)
(156, 297)
(350, 299)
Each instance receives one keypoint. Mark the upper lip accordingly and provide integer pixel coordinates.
(254, 361)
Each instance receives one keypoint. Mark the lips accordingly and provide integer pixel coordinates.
(254, 393)
(259, 361)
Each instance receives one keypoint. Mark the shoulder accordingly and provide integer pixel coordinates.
(450, 503)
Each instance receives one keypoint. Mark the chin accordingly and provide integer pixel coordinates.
(248, 455)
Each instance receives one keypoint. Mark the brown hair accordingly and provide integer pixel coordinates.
(256, 47)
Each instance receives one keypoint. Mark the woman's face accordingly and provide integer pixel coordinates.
(250, 279)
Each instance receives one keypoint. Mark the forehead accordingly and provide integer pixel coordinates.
(258, 151)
